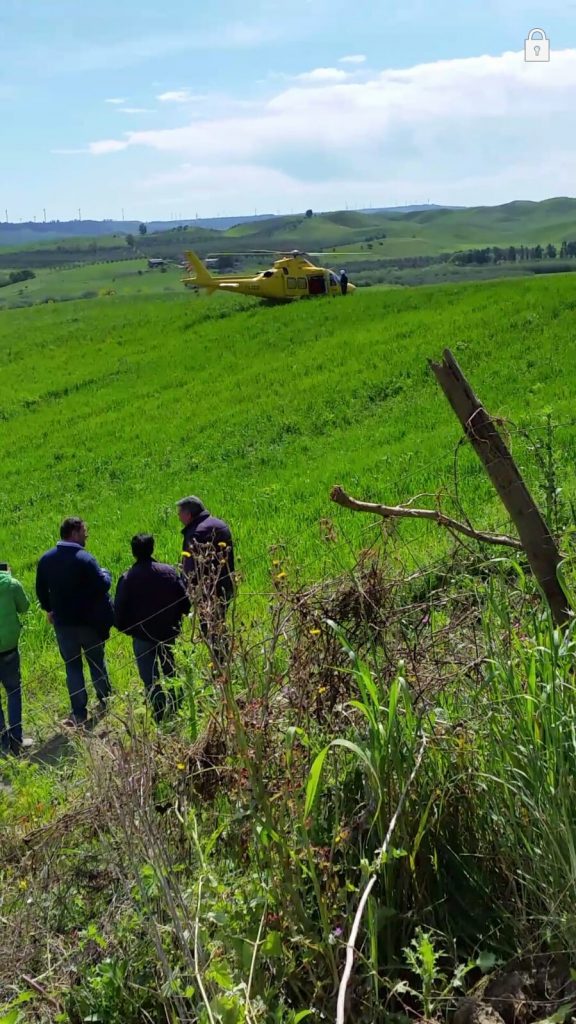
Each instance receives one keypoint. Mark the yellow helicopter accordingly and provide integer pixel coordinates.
(291, 277)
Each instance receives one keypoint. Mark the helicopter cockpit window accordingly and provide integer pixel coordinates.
(268, 273)
(302, 283)
(291, 282)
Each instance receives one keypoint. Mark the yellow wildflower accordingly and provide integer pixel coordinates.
(281, 576)
(181, 767)
(315, 632)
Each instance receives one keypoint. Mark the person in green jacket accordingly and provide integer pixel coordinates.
(13, 603)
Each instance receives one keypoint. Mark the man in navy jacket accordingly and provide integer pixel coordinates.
(150, 601)
(74, 592)
(208, 568)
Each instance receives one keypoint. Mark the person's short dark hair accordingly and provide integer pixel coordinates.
(143, 545)
(192, 504)
(69, 526)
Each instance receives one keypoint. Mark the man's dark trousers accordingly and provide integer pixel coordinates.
(152, 658)
(73, 641)
(12, 681)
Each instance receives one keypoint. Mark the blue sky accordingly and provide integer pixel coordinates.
(173, 109)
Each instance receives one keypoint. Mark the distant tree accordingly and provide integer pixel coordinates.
(480, 256)
(571, 248)
(551, 252)
(537, 252)
(511, 254)
(309, 213)
(21, 275)
(143, 229)
(130, 241)
(563, 252)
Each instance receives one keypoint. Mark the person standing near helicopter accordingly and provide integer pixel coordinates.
(343, 282)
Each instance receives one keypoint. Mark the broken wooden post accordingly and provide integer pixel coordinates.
(537, 541)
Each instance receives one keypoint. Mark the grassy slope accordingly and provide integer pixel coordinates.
(130, 277)
(115, 408)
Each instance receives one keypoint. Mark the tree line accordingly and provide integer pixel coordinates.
(514, 254)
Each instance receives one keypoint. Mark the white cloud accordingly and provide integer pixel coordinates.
(176, 96)
(116, 100)
(106, 146)
(135, 110)
(323, 75)
(353, 58)
(460, 131)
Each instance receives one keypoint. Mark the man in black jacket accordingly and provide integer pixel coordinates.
(149, 604)
(73, 590)
(208, 568)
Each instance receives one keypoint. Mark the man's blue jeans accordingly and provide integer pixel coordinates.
(74, 641)
(12, 681)
(151, 657)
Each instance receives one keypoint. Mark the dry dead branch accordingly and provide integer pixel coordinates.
(404, 512)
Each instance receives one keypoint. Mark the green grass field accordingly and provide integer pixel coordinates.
(91, 281)
(132, 852)
(113, 409)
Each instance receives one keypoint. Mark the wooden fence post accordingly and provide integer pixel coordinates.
(537, 541)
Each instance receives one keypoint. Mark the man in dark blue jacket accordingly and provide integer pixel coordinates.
(150, 601)
(208, 568)
(74, 592)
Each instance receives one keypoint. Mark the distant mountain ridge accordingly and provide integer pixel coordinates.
(27, 232)
(410, 209)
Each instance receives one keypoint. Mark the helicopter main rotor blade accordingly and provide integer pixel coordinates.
(251, 252)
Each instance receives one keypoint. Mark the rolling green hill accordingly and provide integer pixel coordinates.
(422, 232)
(387, 235)
(91, 281)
